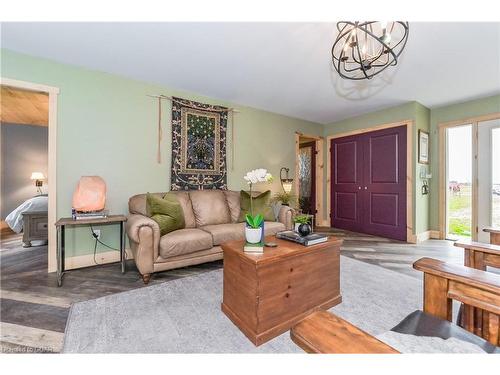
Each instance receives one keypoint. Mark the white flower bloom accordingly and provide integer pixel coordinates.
(258, 175)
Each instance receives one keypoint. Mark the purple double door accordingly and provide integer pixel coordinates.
(368, 190)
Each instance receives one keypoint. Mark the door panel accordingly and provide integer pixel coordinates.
(385, 183)
(383, 209)
(369, 183)
(488, 163)
(346, 162)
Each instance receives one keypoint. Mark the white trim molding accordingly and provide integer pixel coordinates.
(87, 260)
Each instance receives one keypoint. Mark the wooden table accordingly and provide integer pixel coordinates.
(266, 294)
(61, 226)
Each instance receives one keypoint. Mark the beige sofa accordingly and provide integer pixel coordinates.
(211, 218)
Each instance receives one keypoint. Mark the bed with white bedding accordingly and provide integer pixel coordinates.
(36, 204)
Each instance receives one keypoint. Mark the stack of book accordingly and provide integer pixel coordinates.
(254, 247)
(309, 240)
(77, 215)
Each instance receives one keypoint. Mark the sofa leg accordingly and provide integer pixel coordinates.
(146, 277)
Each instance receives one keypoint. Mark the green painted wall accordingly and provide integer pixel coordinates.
(420, 115)
(107, 126)
(448, 113)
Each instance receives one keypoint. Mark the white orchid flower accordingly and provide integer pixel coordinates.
(258, 175)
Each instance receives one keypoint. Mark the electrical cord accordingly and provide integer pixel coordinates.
(97, 240)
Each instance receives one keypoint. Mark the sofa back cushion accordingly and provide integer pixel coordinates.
(185, 202)
(210, 207)
(137, 205)
(261, 205)
(233, 201)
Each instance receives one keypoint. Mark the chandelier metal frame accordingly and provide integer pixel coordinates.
(361, 66)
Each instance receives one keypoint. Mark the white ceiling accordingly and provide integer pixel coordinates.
(279, 67)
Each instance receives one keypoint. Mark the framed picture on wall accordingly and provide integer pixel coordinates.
(423, 147)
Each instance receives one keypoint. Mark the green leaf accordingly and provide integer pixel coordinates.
(258, 220)
(249, 220)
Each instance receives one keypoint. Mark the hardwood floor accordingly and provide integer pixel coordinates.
(34, 310)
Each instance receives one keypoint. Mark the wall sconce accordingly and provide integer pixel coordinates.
(38, 177)
(286, 183)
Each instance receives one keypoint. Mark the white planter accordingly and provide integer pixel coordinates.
(253, 235)
(296, 227)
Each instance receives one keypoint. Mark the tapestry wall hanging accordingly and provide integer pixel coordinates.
(198, 145)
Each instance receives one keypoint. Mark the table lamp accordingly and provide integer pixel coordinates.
(38, 177)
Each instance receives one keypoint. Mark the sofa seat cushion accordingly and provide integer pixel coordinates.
(232, 232)
(184, 241)
(225, 232)
(210, 207)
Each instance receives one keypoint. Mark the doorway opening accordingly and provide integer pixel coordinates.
(24, 167)
(308, 181)
(29, 167)
(307, 176)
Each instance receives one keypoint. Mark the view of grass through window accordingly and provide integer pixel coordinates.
(459, 181)
(459, 165)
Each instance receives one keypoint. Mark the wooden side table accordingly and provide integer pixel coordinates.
(34, 227)
(61, 226)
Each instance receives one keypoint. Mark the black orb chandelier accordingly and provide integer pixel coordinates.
(365, 49)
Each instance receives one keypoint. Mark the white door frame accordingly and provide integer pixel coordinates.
(53, 93)
(443, 188)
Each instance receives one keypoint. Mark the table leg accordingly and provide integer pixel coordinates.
(122, 246)
(58, 254)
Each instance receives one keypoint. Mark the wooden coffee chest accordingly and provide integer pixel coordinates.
(266, 294)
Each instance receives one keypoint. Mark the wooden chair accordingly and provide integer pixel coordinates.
(323, 332)
(477, 255)
(494, 235)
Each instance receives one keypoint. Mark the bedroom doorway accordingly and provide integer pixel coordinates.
(28, 147)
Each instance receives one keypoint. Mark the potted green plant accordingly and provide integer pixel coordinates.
(284, 198)
(303, 224)
(254, 228)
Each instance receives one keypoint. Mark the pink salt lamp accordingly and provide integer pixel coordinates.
(90, 194)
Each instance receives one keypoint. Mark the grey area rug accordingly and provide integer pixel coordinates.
(184, 316)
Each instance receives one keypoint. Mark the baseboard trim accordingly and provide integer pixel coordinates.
(87, 260)
(435, 234)
(417, 238)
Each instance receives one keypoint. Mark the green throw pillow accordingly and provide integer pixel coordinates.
(261, 205)
(166, 211)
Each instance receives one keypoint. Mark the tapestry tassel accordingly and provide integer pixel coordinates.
(159, 132)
